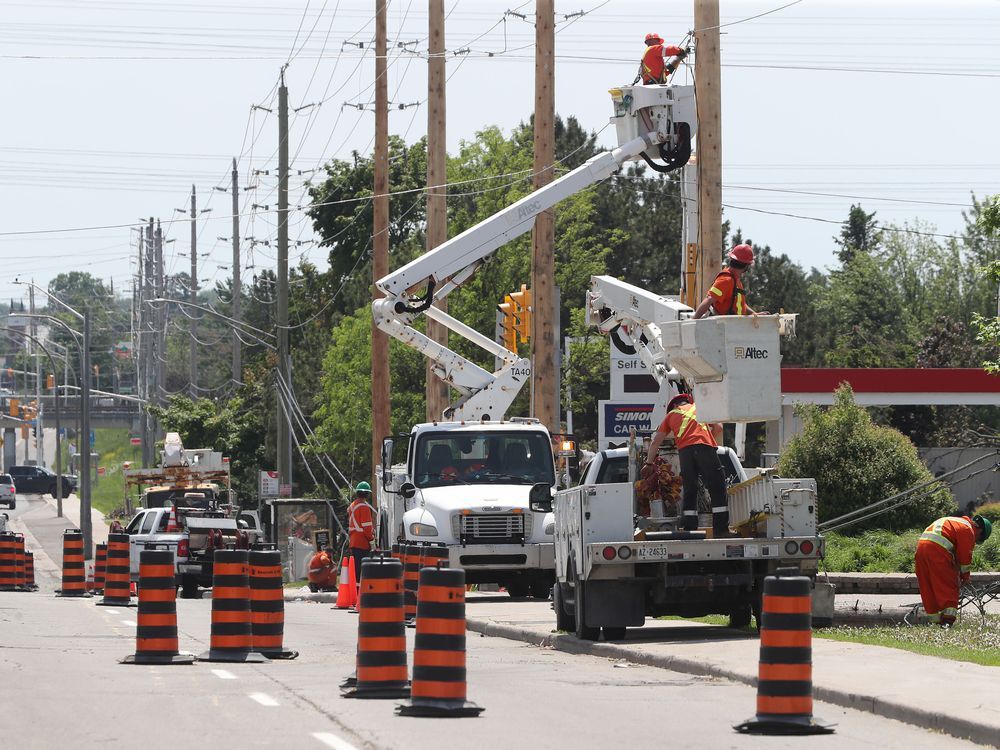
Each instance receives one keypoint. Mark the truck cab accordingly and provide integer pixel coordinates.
(466, 486)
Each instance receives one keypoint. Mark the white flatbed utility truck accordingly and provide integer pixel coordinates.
(614, 567)
(483, 516)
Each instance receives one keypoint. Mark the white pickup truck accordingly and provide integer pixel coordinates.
(614, 567)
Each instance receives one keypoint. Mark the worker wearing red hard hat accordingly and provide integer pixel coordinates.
(696, 449)
(944, 561)
(726, 295)
(654, 67)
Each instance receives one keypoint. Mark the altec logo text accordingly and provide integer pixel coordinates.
(750, 352)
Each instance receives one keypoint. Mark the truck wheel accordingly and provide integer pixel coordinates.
(189, 588)
(739, 617)
(584, 631)
(613, 634)
(564, 620)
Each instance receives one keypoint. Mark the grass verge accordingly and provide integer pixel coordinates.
(107, 493)
(892, 552)
(971, 639)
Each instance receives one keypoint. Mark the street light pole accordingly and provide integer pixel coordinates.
(85, 519)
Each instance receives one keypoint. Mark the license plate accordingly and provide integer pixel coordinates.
(657, 553)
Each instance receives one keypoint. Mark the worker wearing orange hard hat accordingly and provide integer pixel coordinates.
(726, 295)
(944, 561)
(654, 67)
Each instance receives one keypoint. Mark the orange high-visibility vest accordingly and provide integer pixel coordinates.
(957, 535)
(687, 430)
(359, 525)
(653, 67)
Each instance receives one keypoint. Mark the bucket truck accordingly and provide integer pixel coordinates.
(466, 478)
(614, 565)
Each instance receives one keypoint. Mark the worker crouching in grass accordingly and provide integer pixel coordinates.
(944, 562)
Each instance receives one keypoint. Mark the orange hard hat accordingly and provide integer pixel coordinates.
(654, 38)
(742, 254)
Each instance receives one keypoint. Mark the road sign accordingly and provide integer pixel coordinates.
(136, 441)
(615, 418)
(321, 539)
(267, 484)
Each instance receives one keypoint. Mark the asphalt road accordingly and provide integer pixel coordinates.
(63, 686)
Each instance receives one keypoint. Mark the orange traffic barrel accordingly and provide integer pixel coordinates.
(231, 635)
(73, 581)
(117, 582)
(381, 664)
(8, 562)
(19, 576)
(784, 678)
(29, 571)
(156, 634)
(267, 605)
(100, 564)
(410, 554)
(439, 676)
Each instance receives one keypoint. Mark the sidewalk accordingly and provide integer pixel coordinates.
(952, 697)
(71, 512)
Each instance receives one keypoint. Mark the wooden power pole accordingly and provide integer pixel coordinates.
(283, 432)
(237, 288)
(194, 295)
(437, 177)
(707, 72)
(543, 339)
(381, 407)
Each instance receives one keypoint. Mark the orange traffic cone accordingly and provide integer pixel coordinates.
(172, 525)
(347, 591)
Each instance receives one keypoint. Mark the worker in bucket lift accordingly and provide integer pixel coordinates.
(654, 67)
(726, 295)
(322, 572)
(360, 526)
(696, 449)
(944, 561)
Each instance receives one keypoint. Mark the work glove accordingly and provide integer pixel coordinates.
(966, 577)
(682, 54)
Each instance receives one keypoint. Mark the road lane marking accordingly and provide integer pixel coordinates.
(263, 699)
(333, 741)
(223, 674)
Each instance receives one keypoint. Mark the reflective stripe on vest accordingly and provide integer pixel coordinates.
(933, 534)
(688, 417)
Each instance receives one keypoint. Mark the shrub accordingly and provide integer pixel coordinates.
(856, 463)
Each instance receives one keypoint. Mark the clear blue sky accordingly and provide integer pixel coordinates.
(115, 107)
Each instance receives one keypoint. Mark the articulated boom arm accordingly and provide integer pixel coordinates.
(653, 122)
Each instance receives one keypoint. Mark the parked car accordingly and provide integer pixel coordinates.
(8, 492)
(39, 480)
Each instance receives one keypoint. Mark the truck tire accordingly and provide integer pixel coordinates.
(564, 619)
(189, 588)
(739, 617)
(584, 631)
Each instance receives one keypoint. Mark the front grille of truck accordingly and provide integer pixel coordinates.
(491, 528)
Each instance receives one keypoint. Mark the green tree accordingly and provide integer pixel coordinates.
(859, 234)
(856, 463)
(988, 326)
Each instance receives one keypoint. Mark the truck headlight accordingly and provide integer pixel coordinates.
(550, 528)
(423, 529)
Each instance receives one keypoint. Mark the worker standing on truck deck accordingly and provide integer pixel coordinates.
(322, 571)
(654, 67)
(943, 562)
(726, 295)
(696, 448)
(361, 526)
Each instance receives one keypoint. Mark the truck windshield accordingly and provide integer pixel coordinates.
(446, 458)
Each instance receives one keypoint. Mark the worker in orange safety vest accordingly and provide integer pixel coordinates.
(944, 562)
(726, 295)
(654, 67)
(322, 572)
(360, 526)
(699, 457)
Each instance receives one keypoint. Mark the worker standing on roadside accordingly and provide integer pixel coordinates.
(696, 448)
(322, 572)
(654, 67)
(726, 295)
(944, 561)
(361, 526)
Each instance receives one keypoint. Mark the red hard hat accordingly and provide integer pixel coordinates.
(742, 254)
(654, 38)
(678, 399)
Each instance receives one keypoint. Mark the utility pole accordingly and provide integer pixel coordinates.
(284, 442)
(237, 283)
(39, 443)
(160, 363)
(381, 407)
(545, 398)
(707, 73)
(145, 341)
(85, 520)
(437, 178)
(194, 295)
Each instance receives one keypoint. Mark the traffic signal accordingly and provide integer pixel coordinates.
(523, 302)
(508, 328)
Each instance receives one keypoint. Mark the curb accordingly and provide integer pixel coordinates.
(984, 734)
(305, 595)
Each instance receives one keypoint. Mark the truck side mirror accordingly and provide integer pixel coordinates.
(540, 498)
(387, 444)
(407, 490)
